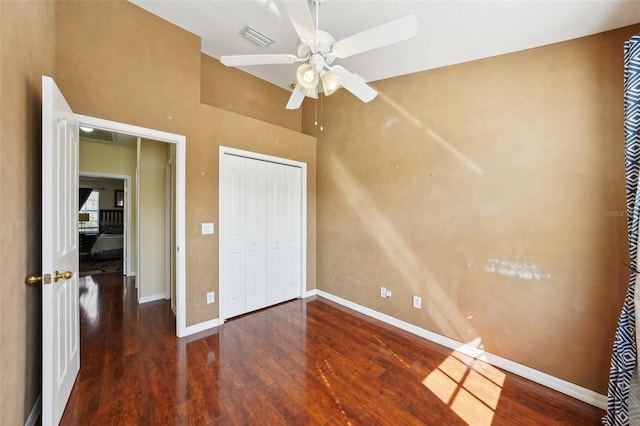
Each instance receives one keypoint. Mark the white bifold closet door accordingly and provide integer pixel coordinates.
(283, 233)
(262, 234)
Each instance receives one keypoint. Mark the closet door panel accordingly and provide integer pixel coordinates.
(292, 217)
(234, 217)
(276, 233)
(256, 242)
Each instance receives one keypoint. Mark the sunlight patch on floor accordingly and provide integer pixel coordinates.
(468, 385)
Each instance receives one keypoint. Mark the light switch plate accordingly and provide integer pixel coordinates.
(207, 229)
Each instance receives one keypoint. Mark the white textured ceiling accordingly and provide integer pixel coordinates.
(449, 31)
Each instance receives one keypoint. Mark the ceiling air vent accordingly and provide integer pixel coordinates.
(256, 37)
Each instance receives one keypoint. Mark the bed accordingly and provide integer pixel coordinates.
(109, 244)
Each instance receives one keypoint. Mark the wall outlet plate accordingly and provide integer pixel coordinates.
(383, 292)
(417, 302)
(211, 297)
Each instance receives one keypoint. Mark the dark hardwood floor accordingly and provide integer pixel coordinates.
(302, 362)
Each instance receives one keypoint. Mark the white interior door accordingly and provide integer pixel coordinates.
(60, 316)
(276, 222)
(283, 232)
(233, 277)
(255, 235)
(292, 236)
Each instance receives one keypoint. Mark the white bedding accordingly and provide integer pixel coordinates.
(107, 242)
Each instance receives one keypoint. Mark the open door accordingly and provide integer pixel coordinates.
(60, 316)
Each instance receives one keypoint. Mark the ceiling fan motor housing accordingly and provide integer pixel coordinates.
(323, 45)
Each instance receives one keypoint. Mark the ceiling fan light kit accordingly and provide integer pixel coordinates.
(311, 92)
(317, 50)
(330, 83)
(307, 76)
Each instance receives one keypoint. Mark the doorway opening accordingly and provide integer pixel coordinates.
(154, 143)
(103, 224)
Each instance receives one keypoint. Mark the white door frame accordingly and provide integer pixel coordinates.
(303, 220)
(127, 212)
(180, 142)
(168, 289)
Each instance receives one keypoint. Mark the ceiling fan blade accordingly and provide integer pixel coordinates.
(355, 84)
(399, 29)
(242, 60)
(300, 15)
(296, 98)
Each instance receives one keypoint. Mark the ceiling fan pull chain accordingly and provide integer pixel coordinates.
(316, 114)
(321, 96)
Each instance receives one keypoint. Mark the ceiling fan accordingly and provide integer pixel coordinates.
(317, 50)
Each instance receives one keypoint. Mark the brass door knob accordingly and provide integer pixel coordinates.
(33, 279)
(61, 276)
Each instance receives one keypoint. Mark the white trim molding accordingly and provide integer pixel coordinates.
(562, 386)
(151, 298)
(203, 326)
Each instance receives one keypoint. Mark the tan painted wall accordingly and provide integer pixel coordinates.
(119, 160)
(151, 273)
(237, 91)
(149, 75)
(488, 189)
(27, 39)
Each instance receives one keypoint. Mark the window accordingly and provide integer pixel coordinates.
(91, 206)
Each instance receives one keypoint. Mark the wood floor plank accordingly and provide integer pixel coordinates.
(305, 362)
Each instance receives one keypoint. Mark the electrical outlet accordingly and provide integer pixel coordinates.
(417, 302)
(211, 297)
(383, 292)
(388, 293)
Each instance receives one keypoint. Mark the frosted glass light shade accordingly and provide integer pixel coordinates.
(311, 93)
(330, 83)
(307, 76)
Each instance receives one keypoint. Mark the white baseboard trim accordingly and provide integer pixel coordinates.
(151, 298)
(309, 293)
(203, 326)
(34, 415)
(216, 322)
(562, 386)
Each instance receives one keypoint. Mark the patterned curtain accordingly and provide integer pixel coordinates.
(624, 394)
